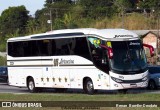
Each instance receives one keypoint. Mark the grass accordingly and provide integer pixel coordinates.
(80, 97)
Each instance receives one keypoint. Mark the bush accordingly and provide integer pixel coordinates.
(3, 61)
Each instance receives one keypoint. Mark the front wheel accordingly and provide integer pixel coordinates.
(152, 85)
(88, 86)
(31, 85)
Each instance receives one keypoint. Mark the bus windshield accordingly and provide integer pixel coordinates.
(129, 56)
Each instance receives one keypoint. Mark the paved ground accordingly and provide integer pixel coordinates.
(4, 88)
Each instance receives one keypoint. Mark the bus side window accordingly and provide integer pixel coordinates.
(62, 47)
(35, 51)
(43, 46)
(53, 50)
(27, 48)
(15, 49)
(81, 48)
(99, 55)
(11, 49)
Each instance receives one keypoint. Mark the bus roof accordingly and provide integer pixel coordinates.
(104, 33)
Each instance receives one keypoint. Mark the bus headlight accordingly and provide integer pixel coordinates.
(116, 80)
(145, 78)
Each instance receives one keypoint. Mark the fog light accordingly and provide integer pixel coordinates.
(116, 85)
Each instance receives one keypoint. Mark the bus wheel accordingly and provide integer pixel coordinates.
(31, 85)
(122, 91)
(152, 85)
(88, 86)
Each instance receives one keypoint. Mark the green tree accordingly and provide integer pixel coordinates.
(49, 3)
(32, 26)
(149, 4)
(77, 12)
(122, 5)
(68, 21)
(41, 17)
(12, 19)
(54, 10)
(98, 8)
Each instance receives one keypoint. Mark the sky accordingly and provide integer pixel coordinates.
(31, 5)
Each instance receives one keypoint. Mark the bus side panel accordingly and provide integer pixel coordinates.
(35, 73)
(78, 74)
(60, 77)
(100, 80)
(15, 73)
(104, 78)
(46, 76)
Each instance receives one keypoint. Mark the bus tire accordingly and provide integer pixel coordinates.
(88, 86)
(31, 85)
(152, 85)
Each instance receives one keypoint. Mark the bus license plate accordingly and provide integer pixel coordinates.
(133, 85)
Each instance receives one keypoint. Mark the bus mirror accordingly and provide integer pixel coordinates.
(151, 49)
(110, 51)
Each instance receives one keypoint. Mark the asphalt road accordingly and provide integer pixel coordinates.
(4, 88)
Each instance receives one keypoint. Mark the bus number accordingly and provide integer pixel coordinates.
(55, 62)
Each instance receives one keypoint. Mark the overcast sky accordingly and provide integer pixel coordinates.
(31, 5)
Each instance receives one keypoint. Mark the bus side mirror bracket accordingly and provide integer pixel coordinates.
(151, 49)
(110, 51)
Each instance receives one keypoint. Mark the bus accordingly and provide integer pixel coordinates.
(89, 59)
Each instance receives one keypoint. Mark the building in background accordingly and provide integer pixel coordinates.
(151, 37)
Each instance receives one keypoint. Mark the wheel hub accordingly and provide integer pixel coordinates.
(89, 86)
(31, 85)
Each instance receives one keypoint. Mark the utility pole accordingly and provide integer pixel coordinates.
(122, 17)
(51, 19)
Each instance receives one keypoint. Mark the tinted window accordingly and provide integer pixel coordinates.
(50, 47)
(23, 48)
(81, 48)
(63, 46)
(128, 56)
(15, 49)
(99, 55)
(72, 46)
(30, 48)
(45, 47)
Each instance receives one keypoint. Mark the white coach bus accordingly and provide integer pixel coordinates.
(88, 59)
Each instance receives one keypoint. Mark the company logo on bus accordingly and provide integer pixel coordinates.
(58, 62)
(119, 36)
(63, 61)
(134, 43)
